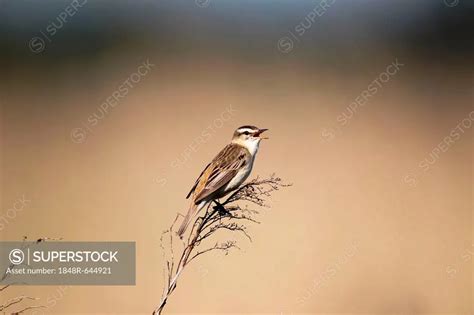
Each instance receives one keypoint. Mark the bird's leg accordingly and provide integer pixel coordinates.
(220, 208)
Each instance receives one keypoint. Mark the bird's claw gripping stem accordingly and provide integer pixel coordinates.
(221, 209)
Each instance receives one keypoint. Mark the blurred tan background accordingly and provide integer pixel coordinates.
(363, 229)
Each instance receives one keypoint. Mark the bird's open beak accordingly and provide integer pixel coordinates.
(260, 131)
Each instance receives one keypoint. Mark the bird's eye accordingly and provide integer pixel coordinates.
(246, 133)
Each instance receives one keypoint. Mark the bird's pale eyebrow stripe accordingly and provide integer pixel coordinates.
(246, 129)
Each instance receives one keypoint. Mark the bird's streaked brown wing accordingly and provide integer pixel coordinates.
(197, 181)
(221, 170)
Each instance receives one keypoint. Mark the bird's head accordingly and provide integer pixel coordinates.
(249, 137)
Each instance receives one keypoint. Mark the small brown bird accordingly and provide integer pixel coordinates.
(226, 172)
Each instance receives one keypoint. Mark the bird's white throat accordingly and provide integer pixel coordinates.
(251, 145)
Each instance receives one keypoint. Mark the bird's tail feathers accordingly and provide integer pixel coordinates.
(193, 210)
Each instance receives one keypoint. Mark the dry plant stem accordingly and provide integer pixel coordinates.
(214, 219)
(17, 300)
(28, 308)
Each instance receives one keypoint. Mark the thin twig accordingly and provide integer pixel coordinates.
(15, 300)
(28, 308)
(19, 299)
